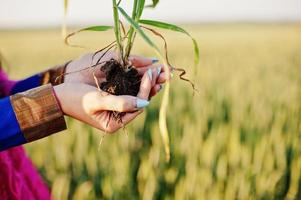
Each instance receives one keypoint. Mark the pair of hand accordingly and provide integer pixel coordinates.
(80, 98)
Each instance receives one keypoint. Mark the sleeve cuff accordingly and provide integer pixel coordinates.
(26, 84)
(38, 112)
(10, 133)
(55, 75)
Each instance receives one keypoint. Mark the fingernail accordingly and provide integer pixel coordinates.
(141, 103)
(150, 73)
(154, 60)
(158, 70)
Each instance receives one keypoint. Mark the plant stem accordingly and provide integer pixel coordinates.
(163, 109)
(117, 31)
(131, 32)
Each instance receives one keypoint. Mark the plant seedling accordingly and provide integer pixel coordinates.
(121, 77)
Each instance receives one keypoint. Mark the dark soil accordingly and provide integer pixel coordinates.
(120, 81)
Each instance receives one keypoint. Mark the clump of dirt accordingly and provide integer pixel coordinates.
(120, 81)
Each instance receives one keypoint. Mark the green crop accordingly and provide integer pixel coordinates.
(239, 140)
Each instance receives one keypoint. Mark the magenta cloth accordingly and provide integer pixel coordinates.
(18, 177)
(6, 85)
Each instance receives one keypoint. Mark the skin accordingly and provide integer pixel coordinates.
(142, 64)
(80, 98)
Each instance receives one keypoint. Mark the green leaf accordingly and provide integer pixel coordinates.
(117, 29)
(136, 26)
(154, 4)
(163, 109)
(136, 14)
(140, 9)
(97, 28)
(91, 28)
(173, 27)
(134, 11)
(163, 25)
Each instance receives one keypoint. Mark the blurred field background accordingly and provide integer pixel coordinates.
(238, 138)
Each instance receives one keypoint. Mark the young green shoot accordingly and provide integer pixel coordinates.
(124, 52)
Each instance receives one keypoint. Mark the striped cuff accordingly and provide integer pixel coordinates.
(38, 112)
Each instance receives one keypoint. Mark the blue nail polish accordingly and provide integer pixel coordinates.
(155, 60)
(150, 73)
(141, 103)
(158, 70)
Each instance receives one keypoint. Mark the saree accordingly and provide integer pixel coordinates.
(19, 179)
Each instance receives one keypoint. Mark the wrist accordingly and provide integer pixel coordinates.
(57, 90)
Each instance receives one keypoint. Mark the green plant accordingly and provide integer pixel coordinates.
(125, 41)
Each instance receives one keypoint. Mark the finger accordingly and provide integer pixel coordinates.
(145, 85)
(153, 66)
(128, 117)
(139, 61)
(122, 103)
(142, 70)
(160, 70)
(157, 88)
(162, 78)
(99, 60)
(96, 71)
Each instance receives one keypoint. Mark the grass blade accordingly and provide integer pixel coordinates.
(117, 30)
(140, 9)
(136, 14)
(162, 121)
(154, 4)
(173, 27)
(136, 26)
(97, 28)
(163, 109)
(91, 28)
(131, 32)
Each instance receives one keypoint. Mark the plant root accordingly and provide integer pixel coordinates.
(120, 81)
(183, 72)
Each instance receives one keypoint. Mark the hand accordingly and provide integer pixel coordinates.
(78, 70)
(86, 103)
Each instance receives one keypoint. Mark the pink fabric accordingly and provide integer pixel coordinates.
(18, 177)
(6, 85)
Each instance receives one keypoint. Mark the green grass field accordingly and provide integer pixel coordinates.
(239, 138)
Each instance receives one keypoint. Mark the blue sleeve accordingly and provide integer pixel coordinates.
(26, 84)
(10, 132)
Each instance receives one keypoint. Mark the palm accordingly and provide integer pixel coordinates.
(80, 70)
(95, 107)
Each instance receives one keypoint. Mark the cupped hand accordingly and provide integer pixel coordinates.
(86, 103)
(80, 70)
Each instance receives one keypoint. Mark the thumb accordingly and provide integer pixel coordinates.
(123, 103)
